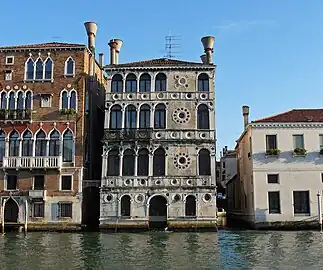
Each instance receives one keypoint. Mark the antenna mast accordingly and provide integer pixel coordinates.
(172, 46)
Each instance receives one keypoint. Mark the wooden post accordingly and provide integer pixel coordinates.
(2, 214)
(26, 215)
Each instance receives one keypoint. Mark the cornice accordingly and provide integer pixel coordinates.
(287, 125)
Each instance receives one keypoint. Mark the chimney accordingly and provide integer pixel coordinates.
(208, 43)
(101, 59)
(245, 113)
(91, 29)
(115, 46)
(203, 58)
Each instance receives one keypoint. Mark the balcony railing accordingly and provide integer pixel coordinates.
(15, 115)
(127, 134)
(32, 162)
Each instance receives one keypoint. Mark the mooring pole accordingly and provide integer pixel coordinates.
(319, 207)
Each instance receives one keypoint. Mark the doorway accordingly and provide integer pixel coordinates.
(11, 211)
(158, 212)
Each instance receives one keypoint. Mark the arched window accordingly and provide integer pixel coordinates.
(131, 83)
(11, 101)
(3, 100)
(113, 163)
(160, 116)
(14, 144)
(54, 143)
(68, 146)
(28, 100)
(160, 82)
(204, 162)
(143, 162)
(203, 121)
(128, 167)
(131, 117)
(27, 144)
(69, 67)
(116, 117)
(30, 69)
(39, 69)
(20, 101)
(144, 116)
(41, 144)
(203, 83)
(48, 69)
(2, 144)
(125, 206)
(159, 162)
(73, 100)
(117, 84)
(64, 99)
(190, 206)
(145, 83)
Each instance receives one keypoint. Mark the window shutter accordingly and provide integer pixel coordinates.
(54, 210)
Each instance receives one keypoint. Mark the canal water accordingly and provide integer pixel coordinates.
(162, 250)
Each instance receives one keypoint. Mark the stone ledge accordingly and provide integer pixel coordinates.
(54, 227)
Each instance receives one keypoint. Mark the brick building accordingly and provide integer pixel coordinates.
(49, 95)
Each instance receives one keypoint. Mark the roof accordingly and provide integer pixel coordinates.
(293, 116)
(49, 45)
(159, 62)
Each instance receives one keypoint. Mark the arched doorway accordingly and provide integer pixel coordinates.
(158, 212)
(11, 211)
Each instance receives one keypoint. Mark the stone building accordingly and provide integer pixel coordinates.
(158, 165)
(48, 96)
(280, 170)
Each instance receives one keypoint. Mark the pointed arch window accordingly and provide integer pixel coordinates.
(203, 121)
(2, 144)
(125, 206)
(204, 160)
(73, 99)
(203, 82)
(54, 144)
(68, 146)
(128, 167)
(160, 116)
(190, 206)
(41, 144)
(131, 117)
(160, 82)
(3, 100)
(64, 99)
(131, 83)
(144, 116)
(116, 117)
(48, 69)
(20, 101)
(14, 144)
(159, 162)
(143, 162)
(30, 69)
(39, 69)
(68, 99)
(117, 84)
(27, 144)
(145, 83)
(69, 67)
(113, 163)
(28, 100)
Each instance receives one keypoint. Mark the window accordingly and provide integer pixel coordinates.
(130, 117)
(203, 83)
(28, 100)
(144, 116)
(298, 141)
(10, 60)
(46, 101)
(190, 206)
(66, 182)
(8, 75)
(160, 116)
(20, 100)
(3, 100)
(68, 99)
(2, 144)
(117, 84)
(274, 202)
(68, 146)
(73, 99)
(145, 83)
(12, 101)
(48, 69)
(39, 182)
(203, 121)
(41, 144)
(271, 142)
(14, 144)
(116, 117)
(12, 182)
(30, 69)
(143, 162)
(54, 143)
(39, 69)
(113, 163)
(273, 179)
(301, 202)
(38, 209)
(160, 82)
(159, 162)
(128, 167)
(27, 144)
(125, 206)
(321, 142)
(204, 160)
(64, 100)
(131, 83)
(322, 177)
(65, 210)
(69, 67)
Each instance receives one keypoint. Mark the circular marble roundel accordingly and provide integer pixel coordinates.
(181, 115)
(182, 161)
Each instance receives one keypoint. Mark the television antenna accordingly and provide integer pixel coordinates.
(172, 46)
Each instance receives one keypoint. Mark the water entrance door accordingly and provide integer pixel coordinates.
(158, 212)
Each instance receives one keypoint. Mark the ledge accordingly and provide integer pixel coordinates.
(271, 156)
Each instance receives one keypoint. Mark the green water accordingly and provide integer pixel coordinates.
(160, 250)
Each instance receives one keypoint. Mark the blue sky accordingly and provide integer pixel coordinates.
(269, 54)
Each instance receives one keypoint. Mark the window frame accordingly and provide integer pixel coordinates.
(299, 212)
(271, 175)
(295, 143)
(7, 180)
(268, 142)
(34, 182)
(276, 205)
(61, 182)
(60, 204)
(41, 209)
(10, 57)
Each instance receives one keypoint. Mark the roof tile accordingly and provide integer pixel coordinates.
(48, 45)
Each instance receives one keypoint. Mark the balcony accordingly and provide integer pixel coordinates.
(37, 194)
(32, 162)
(127, 134)
(15, 115)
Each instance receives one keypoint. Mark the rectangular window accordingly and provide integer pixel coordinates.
(9, 60)
(39, 181)
(65, 210)
(322, 177)
(271, 142)
(321, 142)
(66, 182)
(301, 202)
(298, 141)
(274, 202)
(8, 75)
(38, 209)
(12, 182)
(273, 179)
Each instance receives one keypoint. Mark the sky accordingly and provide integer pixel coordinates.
(269, 54)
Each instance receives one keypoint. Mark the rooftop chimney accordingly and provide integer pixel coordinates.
(208, 43)
(245, 113)
(91, 29)
(203, 58)
(101, 59)
(115, 46)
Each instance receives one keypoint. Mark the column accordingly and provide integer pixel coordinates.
(151, 164)
(152, 117)
(107, 118)
(123, 117)
(213, 169)
(138, 117)
(136, 164)
(121, 164)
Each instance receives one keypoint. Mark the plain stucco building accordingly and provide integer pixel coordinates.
(280, 166)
